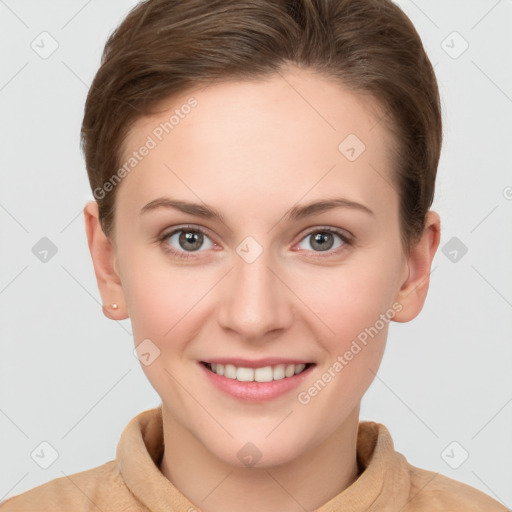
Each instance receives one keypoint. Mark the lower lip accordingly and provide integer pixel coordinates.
(256, 391)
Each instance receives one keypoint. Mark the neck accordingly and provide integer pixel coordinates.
(304, 483)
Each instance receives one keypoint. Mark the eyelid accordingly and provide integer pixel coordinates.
(166, 233)
(345, 235)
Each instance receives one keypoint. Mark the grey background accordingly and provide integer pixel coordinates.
(68, 374)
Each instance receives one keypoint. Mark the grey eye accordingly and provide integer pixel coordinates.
(322, 240)
(189, 240)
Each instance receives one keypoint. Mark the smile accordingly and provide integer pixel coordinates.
(256, 381)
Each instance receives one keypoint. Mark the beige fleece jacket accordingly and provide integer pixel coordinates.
(133, 482)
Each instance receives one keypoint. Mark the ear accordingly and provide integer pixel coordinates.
(105, 264)
(413, 291)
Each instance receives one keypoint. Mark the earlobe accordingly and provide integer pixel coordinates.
(110, 311)
(105, 265)
(413, 291)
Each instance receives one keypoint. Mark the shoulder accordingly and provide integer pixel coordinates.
(432, 491)
(98, 488)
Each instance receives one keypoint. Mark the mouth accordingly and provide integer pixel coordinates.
(261, 374)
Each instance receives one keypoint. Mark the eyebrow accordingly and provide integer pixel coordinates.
(295, 213)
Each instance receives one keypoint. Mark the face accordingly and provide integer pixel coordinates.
(267, 278)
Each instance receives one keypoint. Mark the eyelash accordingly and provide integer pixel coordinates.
(347, 241)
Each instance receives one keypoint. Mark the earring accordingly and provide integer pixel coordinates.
(114, 306)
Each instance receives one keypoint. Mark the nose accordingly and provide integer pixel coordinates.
(255, 303)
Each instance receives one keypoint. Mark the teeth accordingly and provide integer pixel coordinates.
(265, 374)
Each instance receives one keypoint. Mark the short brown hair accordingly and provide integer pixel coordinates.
(164, 47)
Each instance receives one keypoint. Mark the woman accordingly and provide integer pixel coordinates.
(263, 173)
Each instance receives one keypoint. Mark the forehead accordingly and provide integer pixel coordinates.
(283, 136)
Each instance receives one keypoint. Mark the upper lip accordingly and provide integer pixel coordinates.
(255, 363)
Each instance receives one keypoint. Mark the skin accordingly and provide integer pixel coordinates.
(253, 150)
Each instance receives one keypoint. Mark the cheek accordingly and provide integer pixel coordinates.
(161, 298)
(348, 299)
(163, 304)
(356, 304)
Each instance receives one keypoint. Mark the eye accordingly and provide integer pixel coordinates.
(324, 240)
(185, 240)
